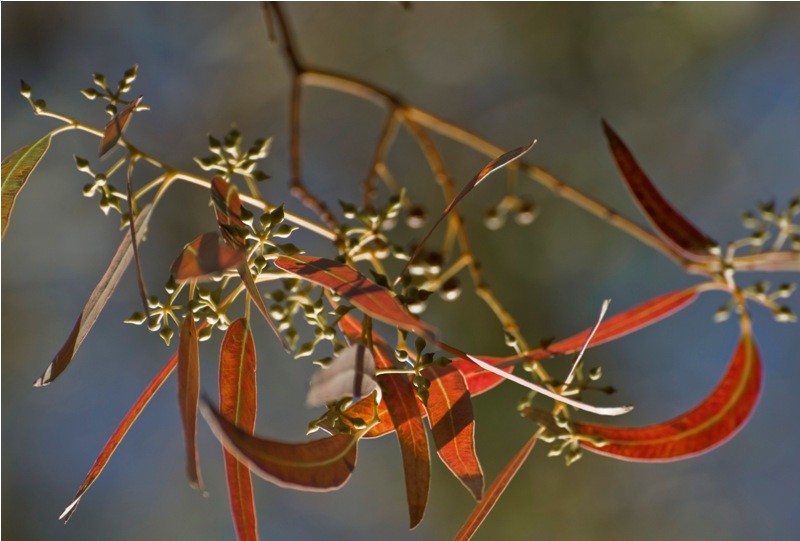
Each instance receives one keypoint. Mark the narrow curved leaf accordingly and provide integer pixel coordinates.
(117, 126)
(189, 395)
(336, 380)
(204, 256)
(711, 423)
(97, 300)
(489, 168)
(768, 261)
(683, 236)
(255, 295)
(365, 295)
(319, 465)
(238, 404)
(228, 208)
(452, 423)
(495, 490)
(15, 171)
(120, 432)
(479, 380)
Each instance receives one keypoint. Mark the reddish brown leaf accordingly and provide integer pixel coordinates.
(252, 291)
(401, 401)
(711, 423)
(189, 395)
(117, 126)
(228, 208)
(120, 432)
(452, 423)
(204, 256)
(16, 169)
(494, 492)
(490, 168)
(238, 404)
(97, 301)
(319, 465)
(365, 295)
(681, 234)
(479, 380)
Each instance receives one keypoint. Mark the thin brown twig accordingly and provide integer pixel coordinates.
(378, 164)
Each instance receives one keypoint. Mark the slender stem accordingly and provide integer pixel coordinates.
(378, 160)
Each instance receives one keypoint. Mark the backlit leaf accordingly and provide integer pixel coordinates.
(493, 493)
(681, 234)
(479, 380)
(488, 169)
(453, 426)
(336, 380)
(319, 465)
(188, 396)
(15, 171)
(97, 300)
(238, 404)
(711, 423)
(204, 256)
(228, 208)
(117, 126)
(255, 295)
(365, 295)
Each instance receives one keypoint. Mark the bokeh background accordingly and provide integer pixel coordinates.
(707, 96)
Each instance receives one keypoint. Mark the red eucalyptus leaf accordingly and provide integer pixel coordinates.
(238, 404)
(120, 432)
(97, 301)
(681, 234)
(15, 172)
(117, 126)
(479, 380)
(189, 395)
(228, 208)
(495, 490)
(319, 465)
(252, 291)
(365, 295)
(204, 256)
(710, 424)
(452, 423)
(488, 169)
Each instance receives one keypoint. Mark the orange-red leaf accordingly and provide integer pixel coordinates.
(452, 423)
(479, 380)
(494, 492)
(681, 234)
(365, 295)
(709, 424)
(204, 256)
(97, 300)
(117, 126)
(228, 208)
(189, 395)
(319, 465)
(120, 432)
(255, 295)
(238, 404)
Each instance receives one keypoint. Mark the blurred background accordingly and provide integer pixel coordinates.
(708, 98)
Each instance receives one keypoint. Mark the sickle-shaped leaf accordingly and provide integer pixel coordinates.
(15, 172)
(679, 232)
(452, 423)
(117, 126)
(97, 300)
(204, 256)
(252, 291)
(228, 208)
(365, 295)
(494, 492)
(189, 395)
(491, 167)
(120, 432)
(238, 404)
(711, 423)
(479, 380)
(319, 465)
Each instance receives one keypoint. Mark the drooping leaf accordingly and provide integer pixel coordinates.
(204, 256)
(335, 381)
(453, 426)
(490, 168)
(319, 465)
(15, 171)
(238, 404)
(255, 295)
(683, 236)
(120, 432)
(710, 424)
(228, 208)
(401, 401)
(117, 126)
(189, 395)
(365, 295)
(137, 261)
(97, 300)
(493, 493)
(479, 380)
